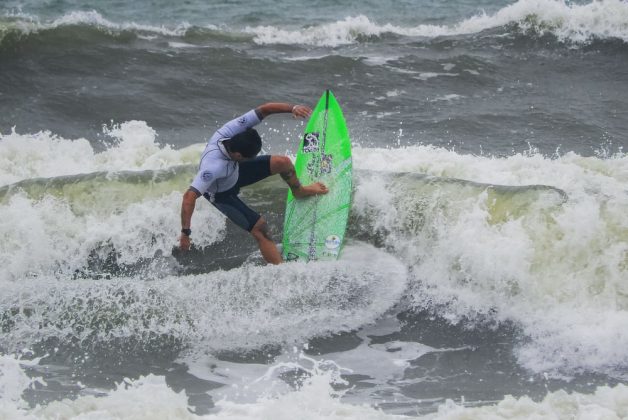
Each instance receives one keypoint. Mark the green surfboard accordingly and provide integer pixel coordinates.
(314, 227)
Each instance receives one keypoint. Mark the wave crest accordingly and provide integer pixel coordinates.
(567, 22)
(575, 23)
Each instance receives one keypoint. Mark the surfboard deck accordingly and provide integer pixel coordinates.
(314, 227)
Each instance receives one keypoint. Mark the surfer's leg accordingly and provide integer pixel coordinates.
(248, 219)
(266, 244)
(283, 166)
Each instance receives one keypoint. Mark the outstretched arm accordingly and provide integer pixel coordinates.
(270, 108)
(187, 208)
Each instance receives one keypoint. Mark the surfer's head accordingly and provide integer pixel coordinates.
(247, 144)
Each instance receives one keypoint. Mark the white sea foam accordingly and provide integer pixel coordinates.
(243, 308)
(448, 98)
(95, 19)
(151, 398)
(557, 269)
(430, 75)
(332, 34)
(577, 23)
(382, 364)
(57, 233)
(44, 154)
(395, 93)
(49, 235)
(568, 21)
(13, 380)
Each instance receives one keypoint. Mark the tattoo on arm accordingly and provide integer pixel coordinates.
(291, 179)
(288, 174)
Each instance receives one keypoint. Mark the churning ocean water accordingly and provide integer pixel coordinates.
(486, 269)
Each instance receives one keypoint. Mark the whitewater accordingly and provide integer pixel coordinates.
(551, 260)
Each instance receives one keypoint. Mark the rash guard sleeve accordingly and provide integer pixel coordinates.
(239, 124)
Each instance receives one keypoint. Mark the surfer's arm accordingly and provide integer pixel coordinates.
(270, 108)
(187, 209)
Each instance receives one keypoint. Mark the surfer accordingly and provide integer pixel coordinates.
(230, 162)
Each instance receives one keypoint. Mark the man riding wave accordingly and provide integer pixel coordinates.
(230, 162)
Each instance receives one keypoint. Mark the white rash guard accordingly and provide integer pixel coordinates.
(216, 171)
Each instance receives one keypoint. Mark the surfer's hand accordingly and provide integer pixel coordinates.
(184, 242)
(301, 111)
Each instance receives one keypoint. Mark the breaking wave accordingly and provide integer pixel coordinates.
(568, 22)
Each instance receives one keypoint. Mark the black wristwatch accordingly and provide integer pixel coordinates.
(186, 232)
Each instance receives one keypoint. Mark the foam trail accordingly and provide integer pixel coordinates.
(243, 308)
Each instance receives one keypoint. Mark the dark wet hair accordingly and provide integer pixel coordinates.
(248, 143)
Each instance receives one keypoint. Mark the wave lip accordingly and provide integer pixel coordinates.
(568, 22)
(28, 24)
(334, 34)
(574, 23)
(133, 146)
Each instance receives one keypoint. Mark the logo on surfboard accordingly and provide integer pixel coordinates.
(332, 242)
(326, 163)
(310, 142)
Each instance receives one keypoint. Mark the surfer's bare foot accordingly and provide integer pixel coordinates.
(310, 190)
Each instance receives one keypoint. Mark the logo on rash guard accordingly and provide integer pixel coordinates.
(207, 176)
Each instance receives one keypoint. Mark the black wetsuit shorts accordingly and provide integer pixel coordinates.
(228, 202)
